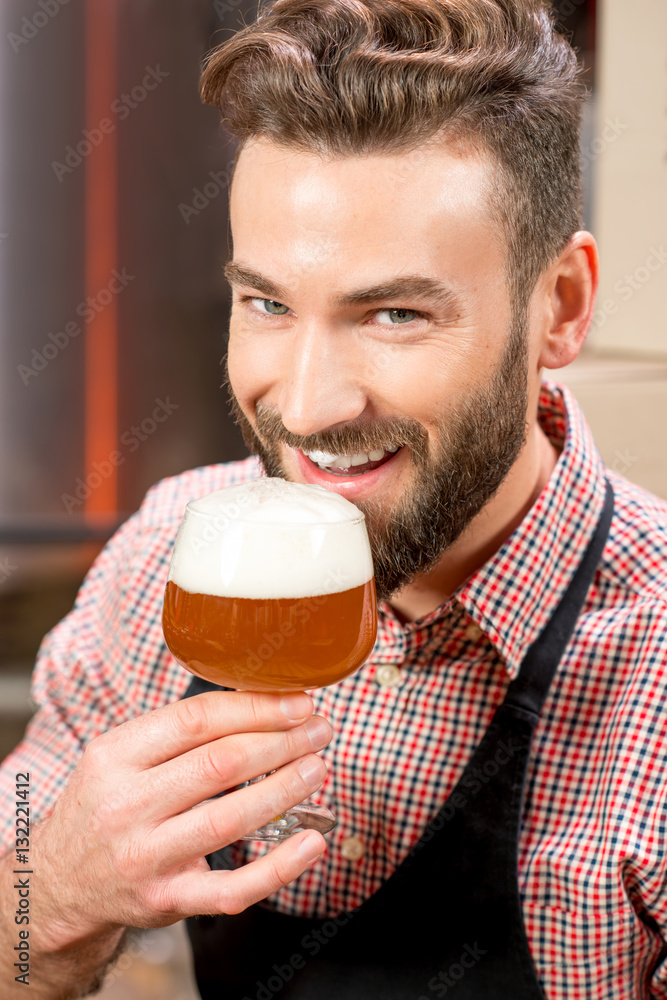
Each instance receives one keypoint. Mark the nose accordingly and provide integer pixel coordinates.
(319, 388)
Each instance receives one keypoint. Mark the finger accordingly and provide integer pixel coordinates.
(215, 892)
(174, 729)
(178, 784)
(219, 822)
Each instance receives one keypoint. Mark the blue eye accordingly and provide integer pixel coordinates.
(399, 316)
(271, 307)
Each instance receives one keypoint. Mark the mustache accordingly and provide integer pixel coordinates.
(348, 440)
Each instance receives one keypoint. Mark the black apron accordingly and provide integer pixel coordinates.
(449, 918)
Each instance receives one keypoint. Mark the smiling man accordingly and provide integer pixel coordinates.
(408, 259)
(390, 362)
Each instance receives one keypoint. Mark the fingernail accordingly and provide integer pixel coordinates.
(311, 848)
(319, 731)
(296, 705)
(313, 770)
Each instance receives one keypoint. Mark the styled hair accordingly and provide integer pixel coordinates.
(346, 77)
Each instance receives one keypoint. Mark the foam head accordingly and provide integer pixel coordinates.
(269, 538)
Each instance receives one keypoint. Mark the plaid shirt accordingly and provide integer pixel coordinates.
(592, 860)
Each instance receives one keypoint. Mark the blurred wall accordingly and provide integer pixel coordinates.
(630, 208)
(168, 297)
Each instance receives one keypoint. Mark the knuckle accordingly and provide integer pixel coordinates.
(108, 819)
(256, 708)
(289, 787)
(105, 816)
(96, 753)
(297, 741)
(211, 827)
(232, 900)
(314, 762)
(218, 765)
(160, 898)
(281, 870)
(193, 715)
(234, 904)
(132, 861)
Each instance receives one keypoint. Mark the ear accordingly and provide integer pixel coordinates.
(568, 297)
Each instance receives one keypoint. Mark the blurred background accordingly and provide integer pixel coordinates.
(113, 309)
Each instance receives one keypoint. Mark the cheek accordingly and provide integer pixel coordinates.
(424, 380)
(238, 370)
(251, 363)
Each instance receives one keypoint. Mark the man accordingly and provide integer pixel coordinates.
(408, 258)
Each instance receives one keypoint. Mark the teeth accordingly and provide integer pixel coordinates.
(321, 457)
(325, 459)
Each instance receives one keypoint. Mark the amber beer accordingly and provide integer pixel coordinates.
(271, 588)
(305, 642)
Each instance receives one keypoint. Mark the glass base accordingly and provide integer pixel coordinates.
(305, 816)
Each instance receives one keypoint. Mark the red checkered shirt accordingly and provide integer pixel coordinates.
(592, 860)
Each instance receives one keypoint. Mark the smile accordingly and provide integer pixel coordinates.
(353, 476)
(346, 465)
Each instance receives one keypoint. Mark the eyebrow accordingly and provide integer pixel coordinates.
(409, 286)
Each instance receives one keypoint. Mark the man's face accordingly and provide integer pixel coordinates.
(371, 313)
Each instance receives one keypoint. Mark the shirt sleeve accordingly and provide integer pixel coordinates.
(104, 663)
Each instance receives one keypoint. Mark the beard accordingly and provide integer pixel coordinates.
(475, 448)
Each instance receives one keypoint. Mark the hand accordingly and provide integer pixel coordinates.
(123, 847)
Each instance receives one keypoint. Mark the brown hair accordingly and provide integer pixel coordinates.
(344, 77)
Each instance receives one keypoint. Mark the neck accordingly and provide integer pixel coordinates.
(485, 534)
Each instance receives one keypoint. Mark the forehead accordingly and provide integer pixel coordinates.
(411, 210)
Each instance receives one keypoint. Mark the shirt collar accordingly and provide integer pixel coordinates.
(514, 594)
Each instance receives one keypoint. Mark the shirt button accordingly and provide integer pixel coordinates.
(352, 848)
(387, 675)
(474, 633)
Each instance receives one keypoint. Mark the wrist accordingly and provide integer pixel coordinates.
(58, 958)
(59, 923)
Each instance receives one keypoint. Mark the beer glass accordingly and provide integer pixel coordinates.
(271, 588)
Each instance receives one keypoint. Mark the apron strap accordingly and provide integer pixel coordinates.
(529, 689)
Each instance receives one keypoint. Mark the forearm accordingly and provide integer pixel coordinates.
(35, 948)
